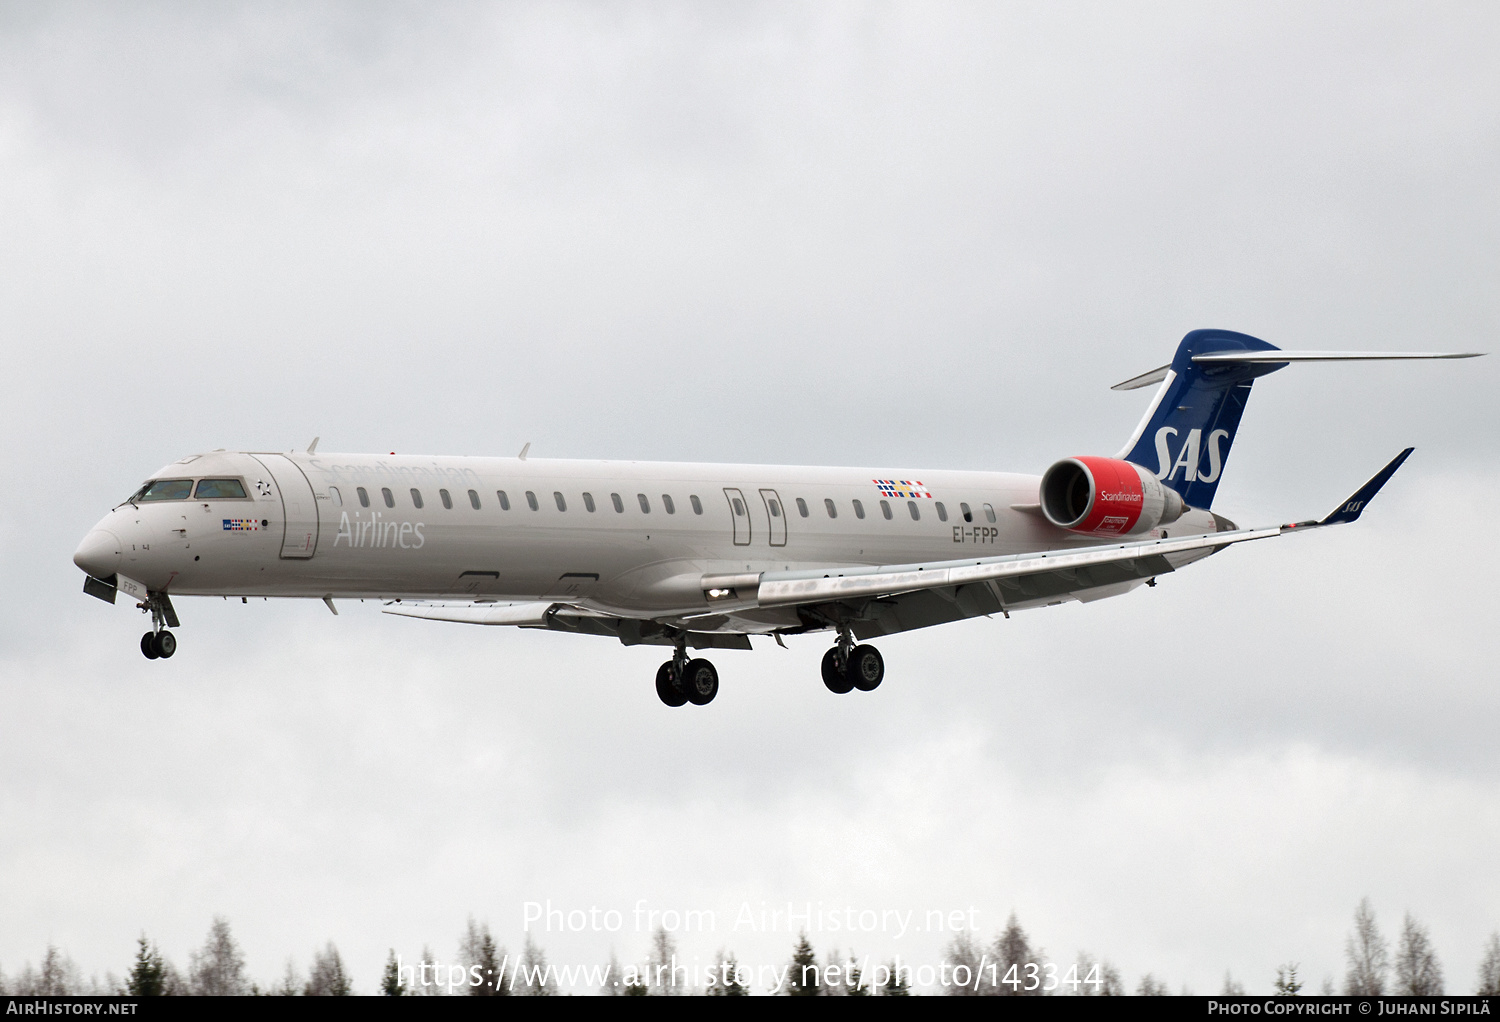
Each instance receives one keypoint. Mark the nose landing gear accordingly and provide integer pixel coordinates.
(159, 644)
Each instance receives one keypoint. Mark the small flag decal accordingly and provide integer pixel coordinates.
(901, 488)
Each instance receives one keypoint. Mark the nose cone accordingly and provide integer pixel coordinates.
(98, 554)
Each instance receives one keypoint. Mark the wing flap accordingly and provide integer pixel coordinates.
(775, 591)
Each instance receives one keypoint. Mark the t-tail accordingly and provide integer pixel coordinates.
(1187, 432)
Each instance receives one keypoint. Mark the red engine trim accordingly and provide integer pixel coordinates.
(1118, 497)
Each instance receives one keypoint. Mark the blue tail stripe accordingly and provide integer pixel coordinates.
(1186, 443)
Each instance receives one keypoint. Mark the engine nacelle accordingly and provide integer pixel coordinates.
(1106, 497)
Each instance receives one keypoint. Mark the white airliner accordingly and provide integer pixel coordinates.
(702, 556)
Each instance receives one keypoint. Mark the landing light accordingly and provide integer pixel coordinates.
(720, 594)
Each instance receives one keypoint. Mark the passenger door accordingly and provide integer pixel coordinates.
(299, 506)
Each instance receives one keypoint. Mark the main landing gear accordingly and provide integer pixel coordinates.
(681, 680)
(158, 643)
(848, 666)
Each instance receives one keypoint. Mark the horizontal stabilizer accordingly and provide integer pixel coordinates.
(1160, 372)
(1145, 379)
(1315, 356)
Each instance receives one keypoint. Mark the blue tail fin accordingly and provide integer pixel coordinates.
(1187, 432)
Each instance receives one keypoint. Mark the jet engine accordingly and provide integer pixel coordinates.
(1106, 497)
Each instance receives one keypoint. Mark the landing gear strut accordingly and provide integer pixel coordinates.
(159, 644)
(848, 666)
(681, 680)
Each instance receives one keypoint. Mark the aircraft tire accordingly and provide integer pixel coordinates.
(148, 646)
(833, 678)
(701, 682)
(165, 644)
(666, 687)
(866, 668)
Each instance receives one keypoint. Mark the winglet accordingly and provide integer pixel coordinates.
(1350, 509)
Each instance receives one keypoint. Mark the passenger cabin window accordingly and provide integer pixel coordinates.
(859, 509)
(333, 495)
(166, 489)
(885, 509)
(916, 514)
(802, 507)
(739, 507)
(968, 515)
(645, 504)
(504, 499)
(588, 502)
(562, 505)
(531, 501)
(474, 499)
(833, 511)
(614, 498)
(697, 504)
(666, 502)
(364, 496)
(390, 500)
(775, 507)
(989, 514)
(220, 489)
(416, 497)
(447, 499)
(941, 510)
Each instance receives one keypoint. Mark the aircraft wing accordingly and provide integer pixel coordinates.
(882, 600)
(891, 598)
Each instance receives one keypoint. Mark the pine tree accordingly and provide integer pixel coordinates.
(726, 981)
(390, 980)
(1489, 968)
(477, 948)
(898, 980)
(802, 974)
(291, 984)
(536, 974)
(1287, 984)
(148, 977)
(661, 966)
(1013, 951)
(328, 977)
(854, 978)
(1151, 987)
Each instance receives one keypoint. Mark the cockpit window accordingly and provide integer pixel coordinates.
(166, 489)
(220, 489)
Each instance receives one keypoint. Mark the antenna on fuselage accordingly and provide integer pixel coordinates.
(524, 451)
(314, 445)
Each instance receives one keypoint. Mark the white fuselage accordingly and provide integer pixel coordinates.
(632, 539)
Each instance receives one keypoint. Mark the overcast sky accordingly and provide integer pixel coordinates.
(904, 235)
